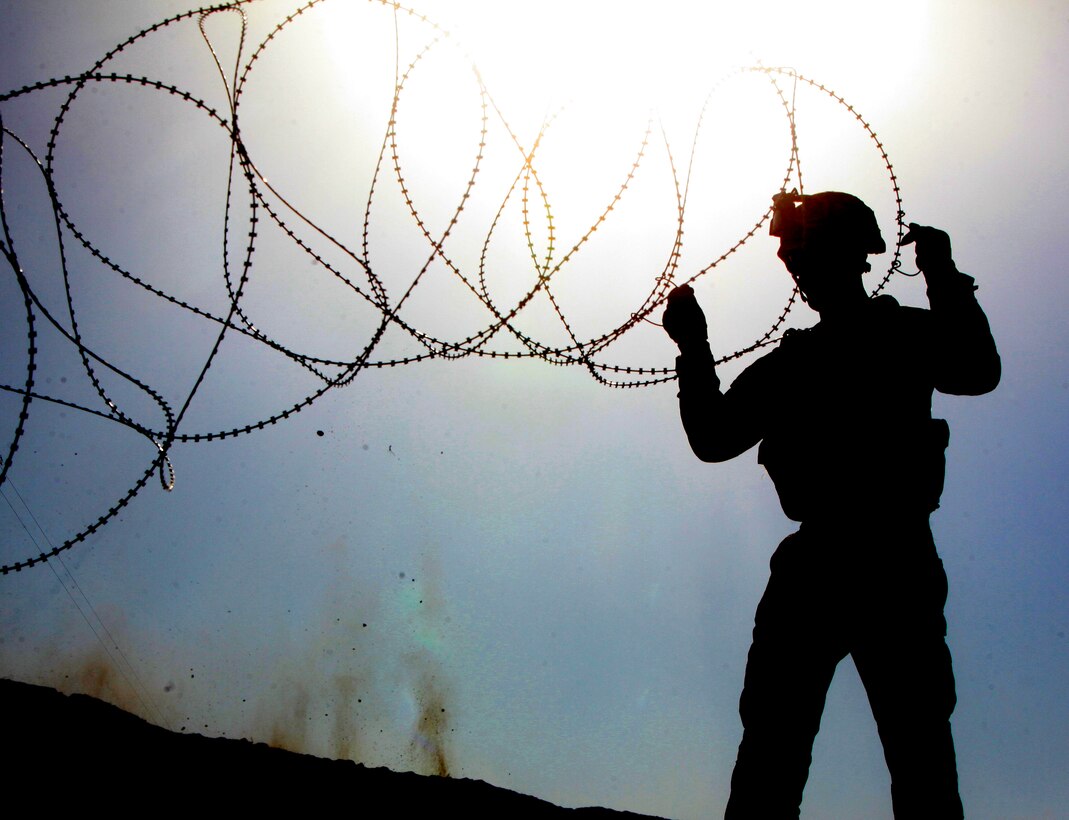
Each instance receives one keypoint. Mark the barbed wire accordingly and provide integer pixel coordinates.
(268, 206)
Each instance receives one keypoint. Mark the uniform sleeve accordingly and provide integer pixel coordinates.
(719, 425)
(966, 361)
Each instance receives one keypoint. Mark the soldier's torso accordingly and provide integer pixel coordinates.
(847, 417)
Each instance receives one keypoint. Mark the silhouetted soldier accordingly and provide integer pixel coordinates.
(842, 412)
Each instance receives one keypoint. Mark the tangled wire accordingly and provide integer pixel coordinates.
(268, 209)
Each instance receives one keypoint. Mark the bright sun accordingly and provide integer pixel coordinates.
(640, 54)
(606, 76)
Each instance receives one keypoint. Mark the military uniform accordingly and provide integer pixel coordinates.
(842, 412)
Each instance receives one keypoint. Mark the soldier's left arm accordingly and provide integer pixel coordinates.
(965, 358)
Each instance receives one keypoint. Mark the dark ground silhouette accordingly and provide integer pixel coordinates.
(75, 752)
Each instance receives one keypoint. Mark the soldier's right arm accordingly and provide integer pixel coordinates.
(719, 426)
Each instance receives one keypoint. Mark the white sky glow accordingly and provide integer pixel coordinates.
(538, 552)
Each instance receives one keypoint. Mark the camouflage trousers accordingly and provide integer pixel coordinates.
(873, 591)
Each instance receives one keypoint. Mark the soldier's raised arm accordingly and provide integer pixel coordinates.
(965, 357)
(718, 426)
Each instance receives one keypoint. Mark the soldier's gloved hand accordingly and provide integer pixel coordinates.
(684, 320)
(933, 250)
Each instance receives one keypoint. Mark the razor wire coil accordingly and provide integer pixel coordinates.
(269, 206)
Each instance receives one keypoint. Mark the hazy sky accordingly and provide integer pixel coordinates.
(504, 565)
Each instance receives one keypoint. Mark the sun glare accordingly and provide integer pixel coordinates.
(637, 54)
(612, 95)
(667, 54)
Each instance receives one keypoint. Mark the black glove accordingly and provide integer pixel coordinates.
(933, 250)
(683, 319)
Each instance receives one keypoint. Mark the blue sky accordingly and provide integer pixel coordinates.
(508, 540)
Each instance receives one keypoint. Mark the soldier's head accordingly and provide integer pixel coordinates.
(825, 240)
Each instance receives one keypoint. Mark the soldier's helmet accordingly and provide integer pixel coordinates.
(827, 219)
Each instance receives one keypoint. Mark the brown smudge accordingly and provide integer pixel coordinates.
(96, 673)
(428, 744)
(428, 739)
(290, 729)
(344, 734)
(316, 702)
(96, 676)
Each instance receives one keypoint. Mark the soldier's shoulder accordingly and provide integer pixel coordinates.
(889, 307)
(795, 340)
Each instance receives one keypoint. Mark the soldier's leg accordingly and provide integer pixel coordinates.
(905, 666)
(788, 671)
